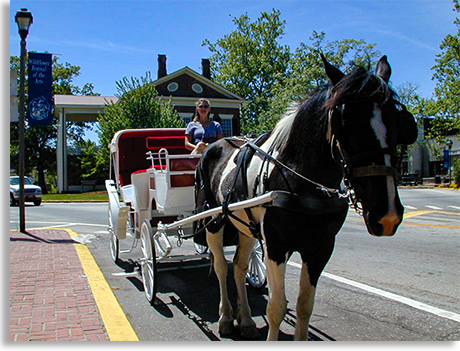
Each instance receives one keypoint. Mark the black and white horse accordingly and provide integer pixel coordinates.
(336, 148)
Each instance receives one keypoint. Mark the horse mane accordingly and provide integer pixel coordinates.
(280, 134)
(359, 86)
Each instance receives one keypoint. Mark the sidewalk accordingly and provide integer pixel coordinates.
(50, 296)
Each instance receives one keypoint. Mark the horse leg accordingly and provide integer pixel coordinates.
(305, 302)
(277, 303)
(240, 263)
(216, 245)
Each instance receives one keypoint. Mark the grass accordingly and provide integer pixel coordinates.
(89, 196)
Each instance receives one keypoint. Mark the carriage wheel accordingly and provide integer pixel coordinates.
(201, 249)
(257, 272)
(148, 262)
(114, 248)
(114, 242)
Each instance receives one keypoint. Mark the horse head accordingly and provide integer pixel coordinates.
(366, 123)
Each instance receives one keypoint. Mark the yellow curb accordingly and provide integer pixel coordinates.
(116, 323)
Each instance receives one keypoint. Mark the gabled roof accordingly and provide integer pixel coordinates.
(187, 72)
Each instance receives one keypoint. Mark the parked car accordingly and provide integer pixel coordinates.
(32, 193)
(410, 179)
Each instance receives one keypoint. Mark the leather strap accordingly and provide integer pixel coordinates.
(374, 170)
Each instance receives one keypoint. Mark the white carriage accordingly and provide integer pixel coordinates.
(151, 198)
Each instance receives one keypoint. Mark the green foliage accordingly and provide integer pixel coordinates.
(88, 161)
(456, 172)
(251, 62)
(306, 71)
(447, 77)
(139, 106)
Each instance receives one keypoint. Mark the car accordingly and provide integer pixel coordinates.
(32, 193)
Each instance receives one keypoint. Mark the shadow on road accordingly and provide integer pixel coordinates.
(192, 288)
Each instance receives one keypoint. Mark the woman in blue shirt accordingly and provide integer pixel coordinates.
(202, 131)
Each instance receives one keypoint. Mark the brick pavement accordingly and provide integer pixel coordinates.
(50, 298)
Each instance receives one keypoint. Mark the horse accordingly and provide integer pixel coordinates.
(334, 150)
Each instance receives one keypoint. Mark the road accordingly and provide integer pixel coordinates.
(399, 288)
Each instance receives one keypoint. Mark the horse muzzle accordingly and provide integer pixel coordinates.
(383, 226)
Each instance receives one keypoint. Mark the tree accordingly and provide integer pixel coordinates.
(447, 91)
(88, 158)
(306, 71)
(138, 107)
(249, 61)
(40, 142)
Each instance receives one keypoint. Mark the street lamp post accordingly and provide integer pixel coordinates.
(24, 20)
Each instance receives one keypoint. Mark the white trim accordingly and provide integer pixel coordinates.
(226, 116)
(190, 102)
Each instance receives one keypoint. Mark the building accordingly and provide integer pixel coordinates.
(427, 158)
(184, 87)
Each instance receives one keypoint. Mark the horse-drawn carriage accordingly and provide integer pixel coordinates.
(151, 199)
(335, 149)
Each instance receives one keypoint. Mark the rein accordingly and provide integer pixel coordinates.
(348, 194)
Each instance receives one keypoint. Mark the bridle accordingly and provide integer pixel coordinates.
(347, 163)
(350, 172)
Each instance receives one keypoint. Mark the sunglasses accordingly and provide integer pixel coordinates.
(203, 106)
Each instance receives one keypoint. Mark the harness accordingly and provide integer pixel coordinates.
(338, 199)
(284, 199)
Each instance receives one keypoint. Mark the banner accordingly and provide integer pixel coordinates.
(446, 159)
(40, 89)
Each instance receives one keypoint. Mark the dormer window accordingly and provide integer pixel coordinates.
(197, 88)
(172, 87)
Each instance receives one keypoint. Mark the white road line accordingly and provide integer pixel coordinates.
(404, 300)
(433, 207)
(410, 207)
(62, 224)
(456, 207)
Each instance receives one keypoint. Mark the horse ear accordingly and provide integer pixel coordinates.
(383, 69)
(333, 73)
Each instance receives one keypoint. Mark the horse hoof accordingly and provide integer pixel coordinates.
(250, 332)
(226, 328)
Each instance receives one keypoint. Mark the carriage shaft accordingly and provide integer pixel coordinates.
(256, 201)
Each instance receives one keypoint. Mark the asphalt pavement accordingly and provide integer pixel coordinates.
(400, 288)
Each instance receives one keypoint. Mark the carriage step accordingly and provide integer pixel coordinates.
(126, 274)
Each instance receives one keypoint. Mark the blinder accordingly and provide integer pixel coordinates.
(374, 170)
(335, 131)
(407, 127)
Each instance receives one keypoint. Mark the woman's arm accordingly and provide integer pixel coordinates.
(188, 143)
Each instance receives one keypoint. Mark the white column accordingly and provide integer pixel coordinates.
(61, 150)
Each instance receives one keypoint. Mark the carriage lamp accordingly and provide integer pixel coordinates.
(23, 19)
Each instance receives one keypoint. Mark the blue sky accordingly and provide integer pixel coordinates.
(113, 39)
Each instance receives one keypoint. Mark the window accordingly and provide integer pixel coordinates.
(173, 86)
(197, 88)
(227, 128)
(186, 117)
